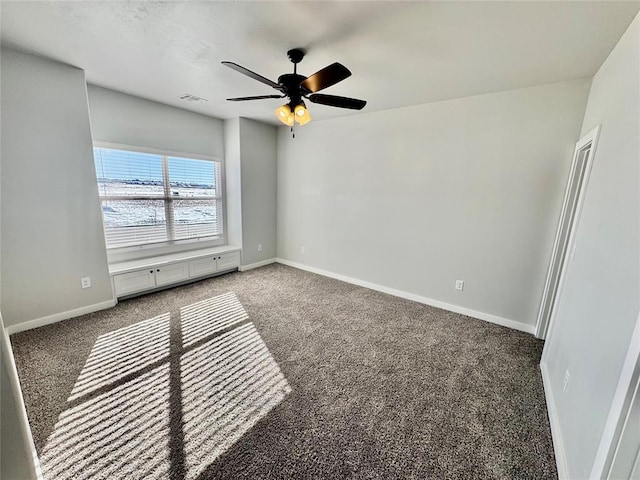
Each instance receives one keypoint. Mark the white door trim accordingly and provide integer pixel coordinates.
(33, 470)
(544, 322)
(619, 411)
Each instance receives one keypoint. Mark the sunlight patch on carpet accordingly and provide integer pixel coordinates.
(118, 434)
(123, 352)
(164, 397)
(210, 316)
(222, 404)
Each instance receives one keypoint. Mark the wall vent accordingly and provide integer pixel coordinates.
(192, 98)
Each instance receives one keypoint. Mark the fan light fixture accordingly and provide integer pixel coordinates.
(295, 87)
(300, 114)
(285, 115)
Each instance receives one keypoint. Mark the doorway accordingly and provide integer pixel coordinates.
(564, 244)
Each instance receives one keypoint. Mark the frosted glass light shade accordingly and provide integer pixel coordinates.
(285, 115)
(302, 114)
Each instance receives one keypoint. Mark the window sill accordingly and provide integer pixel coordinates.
(154, 250)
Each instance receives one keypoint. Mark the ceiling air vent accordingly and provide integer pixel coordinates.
(191, 98)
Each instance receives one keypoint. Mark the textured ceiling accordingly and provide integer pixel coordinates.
(400, 53)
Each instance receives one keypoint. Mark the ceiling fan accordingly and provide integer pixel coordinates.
(297, 87)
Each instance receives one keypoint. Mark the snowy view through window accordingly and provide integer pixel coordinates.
(150, 198)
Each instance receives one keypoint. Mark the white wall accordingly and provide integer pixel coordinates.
(233, 175)
(250, 149)
(599, 304)
(258, 160)
(120, 118)
(51, 221)
(16, 444)
(415, 198)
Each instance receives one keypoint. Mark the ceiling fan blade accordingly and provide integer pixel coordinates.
(254, 75)
(334, 73)
(335, 101)
(259, 97)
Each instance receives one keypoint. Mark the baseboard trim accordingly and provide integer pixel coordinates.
(251, 266)
(554, 422)
(58, 317)
(487, 317)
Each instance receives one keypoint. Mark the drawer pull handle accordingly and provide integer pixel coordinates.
(150, 271)
(157, 270)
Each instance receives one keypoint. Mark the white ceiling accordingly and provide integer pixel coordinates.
(400, 53)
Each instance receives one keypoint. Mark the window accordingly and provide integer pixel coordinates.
(149, 198)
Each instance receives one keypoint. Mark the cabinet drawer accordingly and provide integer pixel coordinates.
(173, 273)
(133, 282)
(227, 261)
(202, 266)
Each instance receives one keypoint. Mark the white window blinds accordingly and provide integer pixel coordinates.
(148, 198)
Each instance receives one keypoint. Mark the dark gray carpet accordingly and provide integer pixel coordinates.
(279, 373)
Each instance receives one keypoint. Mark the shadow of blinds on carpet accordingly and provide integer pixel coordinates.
(166, 396)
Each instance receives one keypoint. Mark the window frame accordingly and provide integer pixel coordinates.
(130, 252)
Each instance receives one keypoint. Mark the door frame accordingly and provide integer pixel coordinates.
(544, 322)
(32, 469)
(620, 443)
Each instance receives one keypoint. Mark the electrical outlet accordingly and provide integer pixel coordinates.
(259, 247)
(565, 382)
(459, 284)
(85, 282)
(303, 250)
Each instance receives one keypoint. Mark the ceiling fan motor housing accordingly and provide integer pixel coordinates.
(291, 86)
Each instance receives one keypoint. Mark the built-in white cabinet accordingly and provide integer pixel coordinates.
(203, 266)
(214, 263)
(132, 282)
(228, 261)
(135, 277)
(172, 273)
